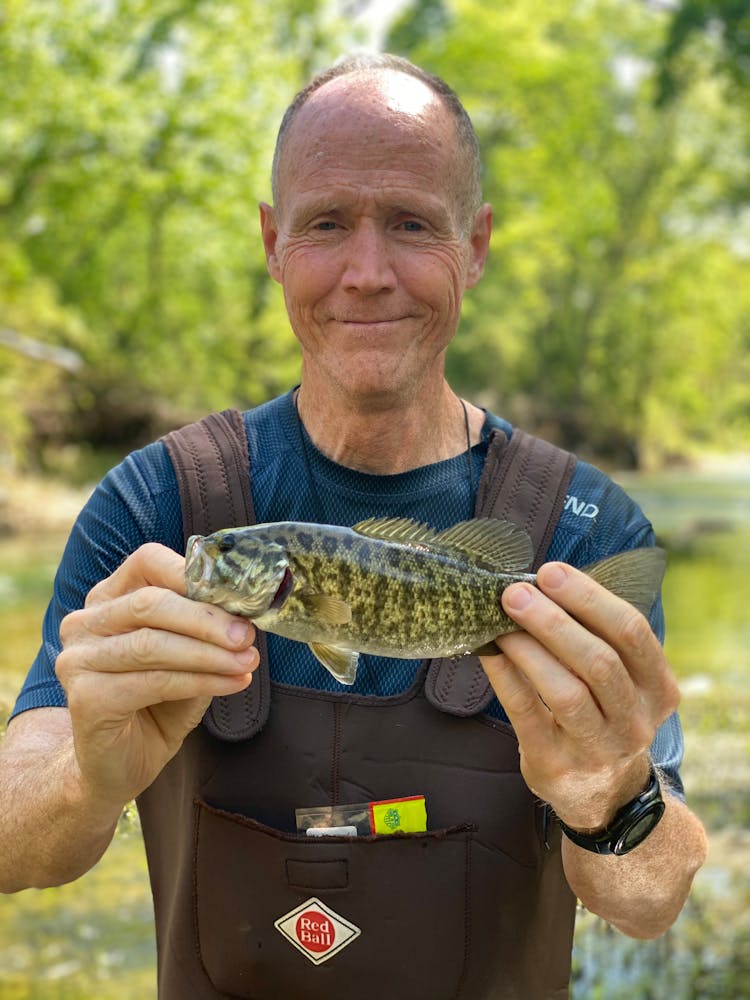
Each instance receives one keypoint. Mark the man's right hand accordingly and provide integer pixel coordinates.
(140, 664)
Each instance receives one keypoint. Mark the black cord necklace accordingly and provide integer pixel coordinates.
(308, 467)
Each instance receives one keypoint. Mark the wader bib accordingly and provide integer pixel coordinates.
(477, 907)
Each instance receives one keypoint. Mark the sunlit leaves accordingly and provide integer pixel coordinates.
(135, 145)
(613, 240)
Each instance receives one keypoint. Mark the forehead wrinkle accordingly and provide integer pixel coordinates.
(325, 145)
(372, 189)
(381, 200)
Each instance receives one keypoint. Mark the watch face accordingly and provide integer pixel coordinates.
(642, 827)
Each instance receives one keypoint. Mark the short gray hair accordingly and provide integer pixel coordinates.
(374, 62)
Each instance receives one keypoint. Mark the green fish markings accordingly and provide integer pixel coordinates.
(388, 586)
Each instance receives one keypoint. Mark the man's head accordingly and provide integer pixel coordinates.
(376, 229)
(368, 65)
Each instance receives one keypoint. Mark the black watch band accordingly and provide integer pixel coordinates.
(630, 827)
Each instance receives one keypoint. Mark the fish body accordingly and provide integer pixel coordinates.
(388, 586)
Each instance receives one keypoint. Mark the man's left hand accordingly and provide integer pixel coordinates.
(585, 686)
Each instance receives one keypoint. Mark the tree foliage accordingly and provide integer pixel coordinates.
(134, 147)
(725, 25)
(135, 143)
(614, 311)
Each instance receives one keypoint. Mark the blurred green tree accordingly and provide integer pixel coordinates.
(613, 313)
(135, 143)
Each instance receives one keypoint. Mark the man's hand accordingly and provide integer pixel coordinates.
(140, 665)
(586, 686)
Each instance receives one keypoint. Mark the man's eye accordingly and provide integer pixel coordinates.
(412, 226)
(325, 226)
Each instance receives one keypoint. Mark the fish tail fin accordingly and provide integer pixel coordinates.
(635, 575)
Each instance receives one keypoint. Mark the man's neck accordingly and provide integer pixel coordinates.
(385, 440)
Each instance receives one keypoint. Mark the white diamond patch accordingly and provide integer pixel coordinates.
(316, 930)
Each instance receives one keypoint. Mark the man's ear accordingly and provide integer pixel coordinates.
(480, 244)
(269, 232)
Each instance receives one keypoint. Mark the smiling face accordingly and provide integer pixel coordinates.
(371, 238)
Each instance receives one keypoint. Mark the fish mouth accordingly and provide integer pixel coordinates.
(198, 564)
(283, 592)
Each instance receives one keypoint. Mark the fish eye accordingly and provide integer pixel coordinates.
(227, 543)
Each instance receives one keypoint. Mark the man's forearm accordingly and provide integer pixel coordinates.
(641, 893)
(50, 830)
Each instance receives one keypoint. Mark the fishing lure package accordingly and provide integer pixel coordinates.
(403, 815)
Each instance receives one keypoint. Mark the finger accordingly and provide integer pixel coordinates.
(571, 704)
(150, 565)
(573, 669)
(517, 695)
(157, 608)
(117, 696)
(149, 650)
(619, 624)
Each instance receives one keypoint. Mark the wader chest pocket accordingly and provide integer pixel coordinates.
(389, 888)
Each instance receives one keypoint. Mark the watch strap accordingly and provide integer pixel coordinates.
(631, 825)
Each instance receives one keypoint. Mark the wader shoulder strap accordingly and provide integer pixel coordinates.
(212, 467)
(525, 480)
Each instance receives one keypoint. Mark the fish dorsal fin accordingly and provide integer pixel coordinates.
(397, 529)
(498, 545)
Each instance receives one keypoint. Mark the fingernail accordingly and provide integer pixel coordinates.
(554, 575)
(518, 598)
(246, 657)
(237, 631)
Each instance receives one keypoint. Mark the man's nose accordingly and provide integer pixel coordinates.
(369, 267)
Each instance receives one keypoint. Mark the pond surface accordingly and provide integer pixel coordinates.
(94, 940)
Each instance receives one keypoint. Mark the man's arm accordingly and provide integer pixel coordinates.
(586, 686)
(140, 664)
(643, 892)
(49, 830)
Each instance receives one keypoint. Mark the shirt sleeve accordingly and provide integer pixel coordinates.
(138, 501)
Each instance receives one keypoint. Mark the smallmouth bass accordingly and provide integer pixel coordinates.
(388, 586)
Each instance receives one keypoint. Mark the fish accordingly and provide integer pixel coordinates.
(388, 586)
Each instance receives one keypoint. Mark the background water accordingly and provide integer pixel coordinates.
(704, 521)
(94, 940)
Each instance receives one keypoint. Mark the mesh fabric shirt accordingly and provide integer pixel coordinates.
(138, 501)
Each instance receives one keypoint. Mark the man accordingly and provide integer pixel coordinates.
(376, 231)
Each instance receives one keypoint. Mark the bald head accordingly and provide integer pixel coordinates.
(384, 87)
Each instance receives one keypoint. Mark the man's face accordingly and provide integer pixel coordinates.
(370, 239)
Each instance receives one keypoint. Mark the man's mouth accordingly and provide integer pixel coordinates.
(371, 322)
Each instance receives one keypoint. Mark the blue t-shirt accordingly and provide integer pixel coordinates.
(138, 501)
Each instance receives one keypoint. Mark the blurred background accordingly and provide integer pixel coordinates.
(614, 318)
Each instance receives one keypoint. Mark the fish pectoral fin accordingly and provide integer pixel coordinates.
(328, 610)
(340, 663)
(634, 575)
(499, 545)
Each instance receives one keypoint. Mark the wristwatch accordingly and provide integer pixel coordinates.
(630, 827)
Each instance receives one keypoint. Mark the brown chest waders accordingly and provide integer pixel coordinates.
(475, 908)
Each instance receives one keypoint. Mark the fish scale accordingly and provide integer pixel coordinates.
(388, 586)
(396, 595)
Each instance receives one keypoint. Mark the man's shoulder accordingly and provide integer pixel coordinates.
(598, 517)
